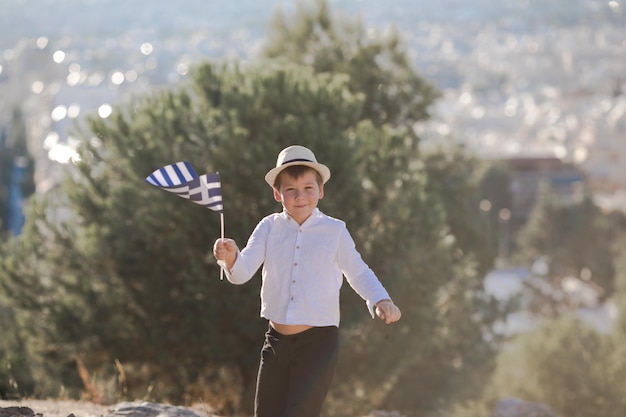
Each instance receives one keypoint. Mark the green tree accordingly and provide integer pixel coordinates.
(377, 66)
(617, 356)
(494, 195)
(126, 271)
(576, 237)
(566, 364)
(15, 371)
(5, 172)
(619, 263)
(16, 379)
(455, 176)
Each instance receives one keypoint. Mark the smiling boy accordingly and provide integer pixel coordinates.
(305, 255)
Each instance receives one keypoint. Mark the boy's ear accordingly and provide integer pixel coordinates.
(321, 191)
(276, 195)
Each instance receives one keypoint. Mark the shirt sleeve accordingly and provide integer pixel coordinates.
(251, 257)
(358, 274)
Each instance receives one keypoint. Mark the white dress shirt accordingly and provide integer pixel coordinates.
(303, 269)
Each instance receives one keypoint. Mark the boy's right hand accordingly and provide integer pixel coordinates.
(388, 311)
(225, 250)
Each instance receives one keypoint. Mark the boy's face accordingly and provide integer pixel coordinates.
(299, 196)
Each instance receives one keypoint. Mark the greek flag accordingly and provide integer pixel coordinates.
(181, 179)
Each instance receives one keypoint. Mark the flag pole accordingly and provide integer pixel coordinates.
(222, 233)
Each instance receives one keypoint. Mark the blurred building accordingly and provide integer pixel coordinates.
(566, 180)
(15, 210)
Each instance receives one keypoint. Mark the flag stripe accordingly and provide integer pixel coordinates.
(183, 171)
(172, 175)
(156, 178)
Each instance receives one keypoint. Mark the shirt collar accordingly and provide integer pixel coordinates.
(314, 215)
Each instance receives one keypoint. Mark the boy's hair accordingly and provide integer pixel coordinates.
(295, 172)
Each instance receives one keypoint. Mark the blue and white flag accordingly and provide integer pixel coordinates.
(181, 179)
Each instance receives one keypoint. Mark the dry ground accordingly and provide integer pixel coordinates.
(63, 408)
(54, 408)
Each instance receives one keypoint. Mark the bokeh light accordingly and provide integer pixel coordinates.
(58, 56)
(105, 110)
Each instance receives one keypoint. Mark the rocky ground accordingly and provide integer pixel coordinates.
(53, 408)
(508, 407)
(65, 408)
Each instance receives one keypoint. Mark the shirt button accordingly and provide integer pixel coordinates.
(295, 264)
(298, 247)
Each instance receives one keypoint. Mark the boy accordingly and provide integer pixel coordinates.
(305, 255)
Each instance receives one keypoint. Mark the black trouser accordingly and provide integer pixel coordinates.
(295, 372)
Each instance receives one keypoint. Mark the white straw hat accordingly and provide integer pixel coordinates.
(296, 155)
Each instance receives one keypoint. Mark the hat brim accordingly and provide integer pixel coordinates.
(323, 170)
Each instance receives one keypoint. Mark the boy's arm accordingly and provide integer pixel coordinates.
(363, 280)
(240, 266)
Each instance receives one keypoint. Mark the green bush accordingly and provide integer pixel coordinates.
(15, 374)
(565, 364)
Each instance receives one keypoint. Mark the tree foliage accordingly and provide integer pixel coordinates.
(126, 271)
(495, 195)
(561, 231)
(619, 263)
(456, 177)
(16, 377)
(566, 364)
(378, 65)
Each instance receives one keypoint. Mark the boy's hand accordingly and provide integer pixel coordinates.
(388, 311)
(225, 250)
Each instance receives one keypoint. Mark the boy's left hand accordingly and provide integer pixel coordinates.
(388, 311)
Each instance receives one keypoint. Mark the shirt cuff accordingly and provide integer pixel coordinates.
(371, 306)
(233, 271)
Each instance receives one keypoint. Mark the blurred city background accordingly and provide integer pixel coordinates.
(519, 78)
(539, 86)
